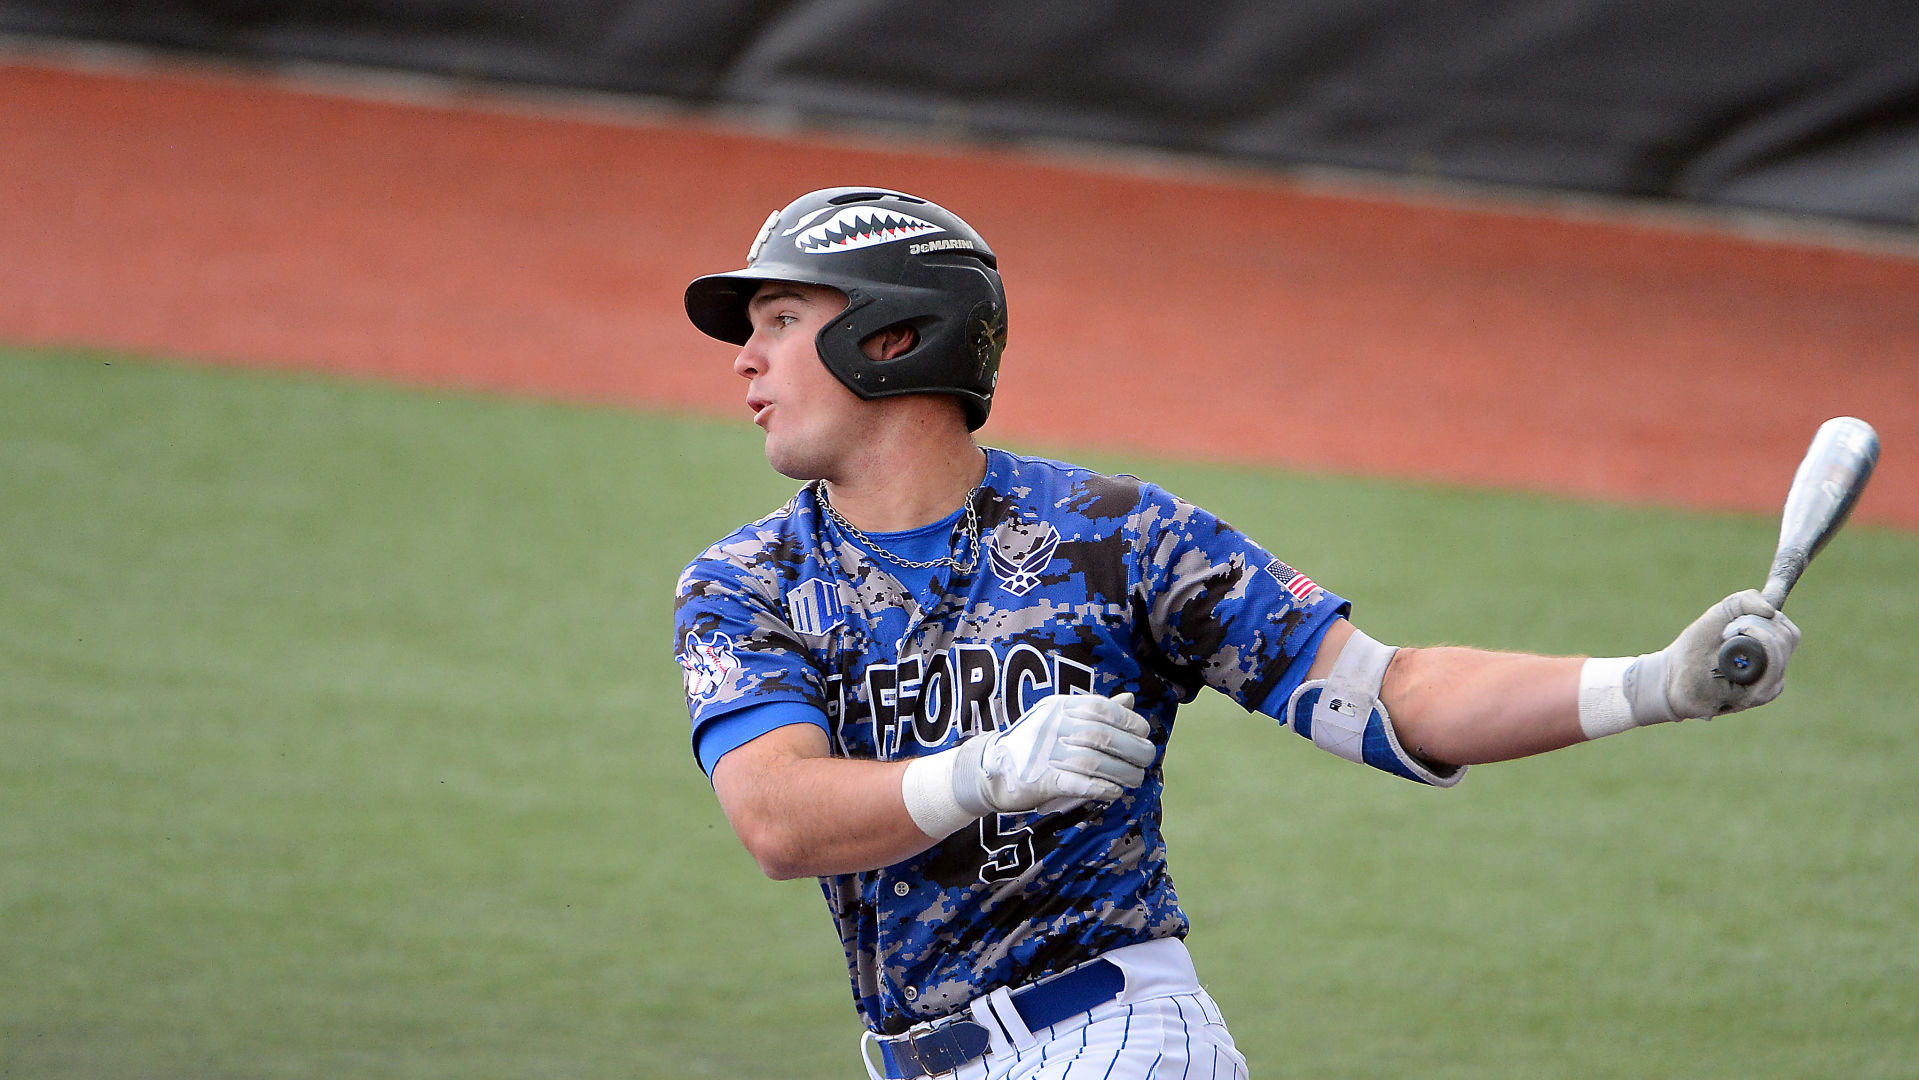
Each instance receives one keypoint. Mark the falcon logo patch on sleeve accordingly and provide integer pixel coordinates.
(708, 664)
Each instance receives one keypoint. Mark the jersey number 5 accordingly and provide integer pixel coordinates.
(1008, 847)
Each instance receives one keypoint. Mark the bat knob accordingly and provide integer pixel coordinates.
(1742, 660)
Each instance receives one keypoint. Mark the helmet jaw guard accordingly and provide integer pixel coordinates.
(900, 260)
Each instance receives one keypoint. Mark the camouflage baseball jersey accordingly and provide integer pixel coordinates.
(1084, 583)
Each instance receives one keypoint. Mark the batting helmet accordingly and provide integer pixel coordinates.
(899, 259)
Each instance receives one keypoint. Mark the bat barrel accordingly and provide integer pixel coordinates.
(1824, 488)
(1827, 484)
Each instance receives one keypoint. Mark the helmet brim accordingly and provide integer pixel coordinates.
(716, 303)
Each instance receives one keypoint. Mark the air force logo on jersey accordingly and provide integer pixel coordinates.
(815, 607)
(1019, 551)
(708, 662)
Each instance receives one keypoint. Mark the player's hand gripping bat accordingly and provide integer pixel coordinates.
(1830, 478)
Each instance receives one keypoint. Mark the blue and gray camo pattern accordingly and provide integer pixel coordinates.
(1088, 583)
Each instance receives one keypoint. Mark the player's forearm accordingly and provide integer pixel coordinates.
(808, 816)
(803, 812)
(1459, 706)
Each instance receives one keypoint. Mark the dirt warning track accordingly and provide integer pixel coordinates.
(240, 218)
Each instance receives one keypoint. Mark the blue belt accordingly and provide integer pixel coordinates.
(958, 1039)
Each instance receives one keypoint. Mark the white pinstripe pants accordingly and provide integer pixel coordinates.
(1163, 1026)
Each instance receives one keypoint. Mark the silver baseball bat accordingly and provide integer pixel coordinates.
(1830, 477)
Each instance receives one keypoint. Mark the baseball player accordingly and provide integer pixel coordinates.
(942, 677)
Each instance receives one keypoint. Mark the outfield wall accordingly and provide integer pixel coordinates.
(1770, 104)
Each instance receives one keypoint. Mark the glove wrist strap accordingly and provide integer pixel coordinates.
(1603, 707)
(1619, 693)
(927, 789)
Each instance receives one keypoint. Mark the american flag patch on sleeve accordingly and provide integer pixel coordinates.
(1301, 586)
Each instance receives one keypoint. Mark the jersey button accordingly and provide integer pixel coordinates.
(901, 888)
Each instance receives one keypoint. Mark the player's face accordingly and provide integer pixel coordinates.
(808, 415)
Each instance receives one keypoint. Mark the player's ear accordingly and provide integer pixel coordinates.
(893, 342)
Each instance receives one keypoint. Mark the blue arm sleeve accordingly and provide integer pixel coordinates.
(1275, 703)
(716, 737)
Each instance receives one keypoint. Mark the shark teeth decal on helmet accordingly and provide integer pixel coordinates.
(860, 226)
(807, 220)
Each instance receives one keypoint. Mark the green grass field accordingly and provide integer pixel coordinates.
(340, 736)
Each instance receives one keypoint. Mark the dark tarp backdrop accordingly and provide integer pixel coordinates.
(1806, 108)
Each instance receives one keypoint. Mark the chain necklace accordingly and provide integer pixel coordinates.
(970, 529)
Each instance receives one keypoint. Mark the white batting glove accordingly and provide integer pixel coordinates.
(1681, 680)
(1067, 750)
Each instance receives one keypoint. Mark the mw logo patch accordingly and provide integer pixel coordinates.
(815, 606)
